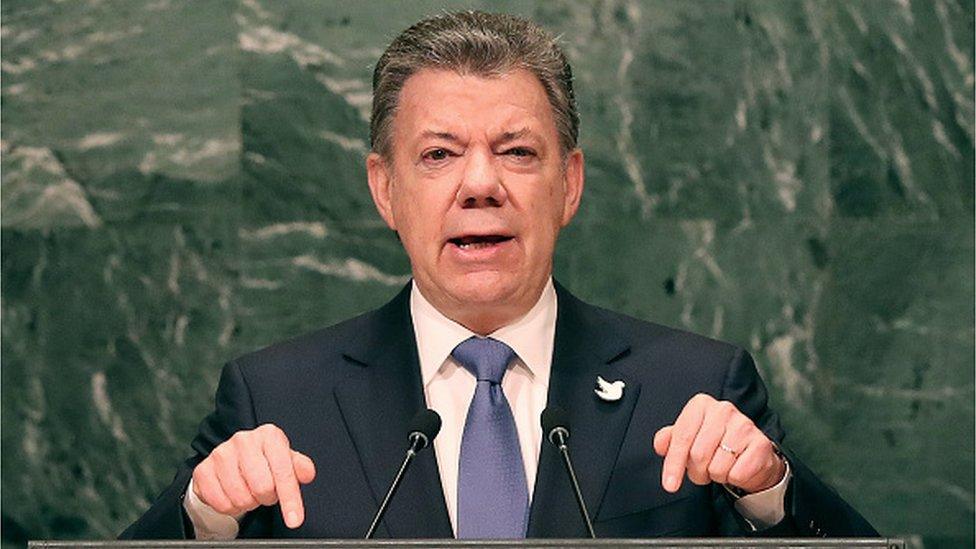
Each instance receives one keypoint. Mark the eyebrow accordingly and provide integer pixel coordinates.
(505, 137)
(512, 136)
(447, 136)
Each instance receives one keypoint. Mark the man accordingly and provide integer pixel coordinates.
(475, 165)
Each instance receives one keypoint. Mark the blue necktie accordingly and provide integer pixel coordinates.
(493, 497)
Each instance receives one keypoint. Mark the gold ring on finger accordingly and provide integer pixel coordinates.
(729, 450)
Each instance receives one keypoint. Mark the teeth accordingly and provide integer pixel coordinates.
(475, 245)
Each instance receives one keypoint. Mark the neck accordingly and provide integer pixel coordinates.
(484, 325)
(485, 318)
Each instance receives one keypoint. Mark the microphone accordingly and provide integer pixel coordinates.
(423, 428)
(555, 425)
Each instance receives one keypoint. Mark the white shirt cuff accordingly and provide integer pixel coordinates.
(766, 508)
(208, 524)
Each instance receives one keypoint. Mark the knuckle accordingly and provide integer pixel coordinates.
(211, 496)
(250, 502)
(742, 427)
(745, 421)
(704, 397)
(237, 442)
(240, 498)
(737, 478)
(263, 487)
(201, 470)
(714, 470)
(684, 438)
(232, 485)
(240, 438)
(218, 455)
(266, 431)
(239, 503)
(265, 499)
(699, 479)
(202, 490)
(202, 481)
(698, 454)
(223, 507)
(753, 468)
(743, 474)
(275, 435)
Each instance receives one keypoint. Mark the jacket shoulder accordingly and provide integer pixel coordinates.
(317, 343)
(325, 345)
(645, 336)
(319, 353)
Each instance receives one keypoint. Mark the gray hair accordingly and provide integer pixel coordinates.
(473, 42)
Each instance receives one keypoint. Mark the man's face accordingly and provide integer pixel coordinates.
(477, 189)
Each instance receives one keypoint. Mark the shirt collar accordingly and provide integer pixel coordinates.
(531, 337)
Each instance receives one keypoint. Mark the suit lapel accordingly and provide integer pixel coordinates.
(385, 391)
(377, 403)
(584, 349)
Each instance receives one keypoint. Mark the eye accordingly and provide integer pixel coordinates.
(436, 155)
(520, 152)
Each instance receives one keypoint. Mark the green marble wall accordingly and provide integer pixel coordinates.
(182, 182)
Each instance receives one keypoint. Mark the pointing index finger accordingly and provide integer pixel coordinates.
(278, 454)
(682, 437)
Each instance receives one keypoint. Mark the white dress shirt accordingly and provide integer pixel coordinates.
(448, 389)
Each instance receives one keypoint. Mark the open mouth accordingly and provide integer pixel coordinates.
(475, 242)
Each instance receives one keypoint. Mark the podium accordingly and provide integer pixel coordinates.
(708, 543)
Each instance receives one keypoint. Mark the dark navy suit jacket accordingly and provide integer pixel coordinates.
(344, 396)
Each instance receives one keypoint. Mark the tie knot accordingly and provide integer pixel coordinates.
(485, 358)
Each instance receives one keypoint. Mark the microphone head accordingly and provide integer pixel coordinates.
(425, 426)
(555, 421)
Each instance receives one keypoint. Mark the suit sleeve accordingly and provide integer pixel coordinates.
(233, 412)
(812, 508)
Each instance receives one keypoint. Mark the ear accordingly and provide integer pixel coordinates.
(573, 180)
(379, 177)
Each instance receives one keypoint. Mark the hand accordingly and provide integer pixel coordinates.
(251, 468)
(695, 444)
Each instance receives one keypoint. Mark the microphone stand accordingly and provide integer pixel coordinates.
(418, 441)
(558, 437)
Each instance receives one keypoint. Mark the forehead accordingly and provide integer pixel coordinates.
(449, 101)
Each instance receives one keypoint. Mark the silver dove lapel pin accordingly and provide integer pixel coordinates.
(610, 392)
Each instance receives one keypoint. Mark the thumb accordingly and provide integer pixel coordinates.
(304, 467)
(662, 440)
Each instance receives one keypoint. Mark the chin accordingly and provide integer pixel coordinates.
(483, 288)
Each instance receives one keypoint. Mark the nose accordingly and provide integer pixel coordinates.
(481, 184)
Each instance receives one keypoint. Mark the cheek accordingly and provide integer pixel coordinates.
(417, 219)
(544, 230)
(548, 214)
